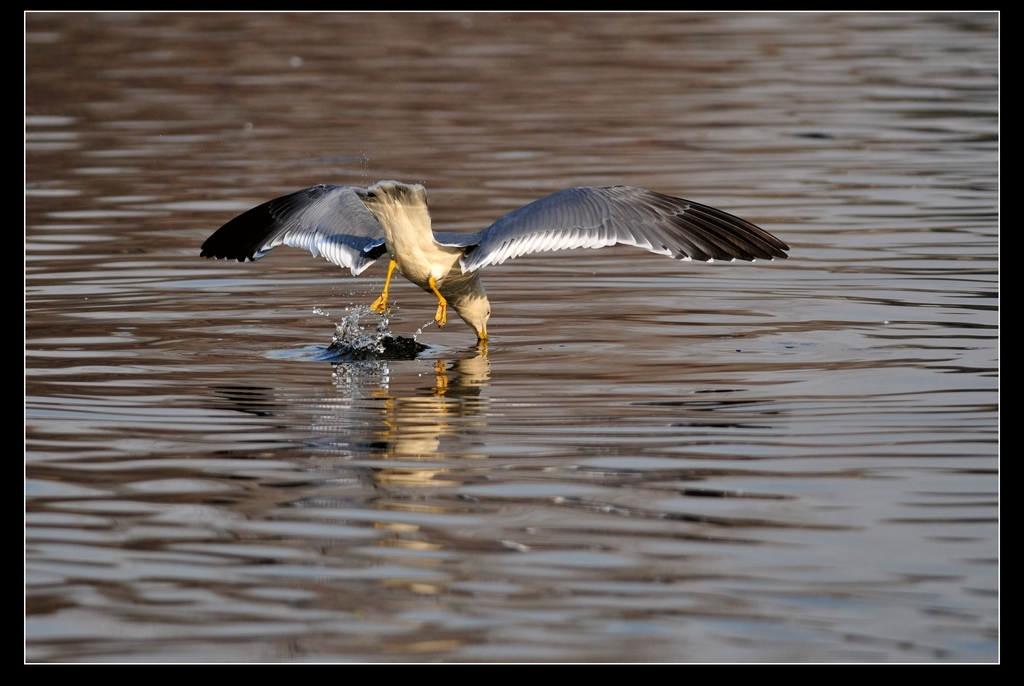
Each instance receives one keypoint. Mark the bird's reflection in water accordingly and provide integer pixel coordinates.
(414, 417)
(424, 423)
(401, 410)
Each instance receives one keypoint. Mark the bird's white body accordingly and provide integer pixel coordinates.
(403, 215)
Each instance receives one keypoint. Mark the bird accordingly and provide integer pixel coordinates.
(353, 227)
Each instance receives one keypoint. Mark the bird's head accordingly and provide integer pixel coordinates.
(395, 192)
(475, 311)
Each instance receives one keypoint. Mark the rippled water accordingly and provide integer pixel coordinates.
(651, 461)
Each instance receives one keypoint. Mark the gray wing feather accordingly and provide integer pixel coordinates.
(596, 217)
(326, 220)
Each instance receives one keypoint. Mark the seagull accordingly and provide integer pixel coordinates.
(353, 227)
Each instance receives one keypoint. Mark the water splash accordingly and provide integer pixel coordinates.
(354, 340)
(419, 331)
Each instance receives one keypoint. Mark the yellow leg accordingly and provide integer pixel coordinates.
(442, 304)
(381, 304)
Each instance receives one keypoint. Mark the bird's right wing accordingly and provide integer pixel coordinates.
(595, 217)
(326, 220)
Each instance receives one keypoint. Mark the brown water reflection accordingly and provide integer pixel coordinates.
(651, 461)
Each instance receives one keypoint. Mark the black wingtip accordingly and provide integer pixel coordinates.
(241, 237)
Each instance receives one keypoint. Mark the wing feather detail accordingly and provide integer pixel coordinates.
(597, 217)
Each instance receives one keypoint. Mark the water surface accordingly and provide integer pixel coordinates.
(652, 460)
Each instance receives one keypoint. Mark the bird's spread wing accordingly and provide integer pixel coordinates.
(326, 220)
(596, 217)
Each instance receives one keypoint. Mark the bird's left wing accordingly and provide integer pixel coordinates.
(326, 220)
(595, 217)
